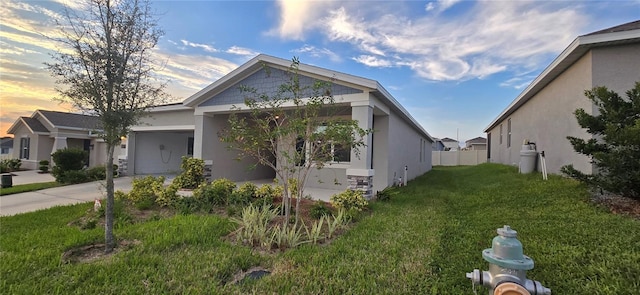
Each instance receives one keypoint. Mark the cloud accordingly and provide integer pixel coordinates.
(317, 52)
(205, 47)
(373, 61)
(297, 17)
(440, 5)
(486, 38)
(237, 50)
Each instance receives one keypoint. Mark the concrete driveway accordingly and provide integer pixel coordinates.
(57, 196)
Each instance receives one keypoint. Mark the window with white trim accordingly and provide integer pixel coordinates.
(337, 152)
(500, 133)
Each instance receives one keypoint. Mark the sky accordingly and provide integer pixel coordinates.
(454, 65)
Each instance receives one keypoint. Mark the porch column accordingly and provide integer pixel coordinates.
(59, 143)
(205, 136)
(360, 174)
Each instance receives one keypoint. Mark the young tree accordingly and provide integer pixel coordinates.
(295, 130)
(105, 68)
(615, 147)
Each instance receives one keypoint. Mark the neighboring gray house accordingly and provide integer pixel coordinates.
(38, 136)
(543, 112)
(437, 145)
(6, 148)
(191, 128)
(476, 144)
(450, 144)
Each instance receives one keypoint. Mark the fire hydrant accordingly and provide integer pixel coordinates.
(508, 267)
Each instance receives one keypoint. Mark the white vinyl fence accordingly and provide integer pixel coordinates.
(459, 158)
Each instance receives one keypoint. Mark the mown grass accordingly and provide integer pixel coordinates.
(421, 242)
(23, 188)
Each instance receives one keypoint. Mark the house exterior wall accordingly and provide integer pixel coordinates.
(616, 67)
(381, 143)
(23, 132)
(44, 147)
(547, 119)
(405, 149)
(168, 118)
(207, 146)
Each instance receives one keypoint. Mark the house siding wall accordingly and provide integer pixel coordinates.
(404, 150)
(617, 67)
(168, 118)
(547, 119)
(225, 161)
(381, 178)
(268, 83)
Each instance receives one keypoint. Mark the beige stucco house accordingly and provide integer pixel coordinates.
(476, 144)
(543, 112)
(191, 128)
(44, 132)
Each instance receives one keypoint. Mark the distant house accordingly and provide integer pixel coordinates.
(6, 147)
(398, 143)
(475, 144)
(450, 144)
(437, 145)
(38, 136)
(543, 112)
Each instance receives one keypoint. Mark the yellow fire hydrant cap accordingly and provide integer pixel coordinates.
(510, 289)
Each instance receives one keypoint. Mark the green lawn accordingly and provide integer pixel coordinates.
(22, 188)
(421, 242)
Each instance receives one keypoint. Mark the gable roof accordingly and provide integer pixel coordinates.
(446, 139)
(628, 33)
(71, 120)
(55, 119)
(33, 124)
(477, 140)
(257, 63)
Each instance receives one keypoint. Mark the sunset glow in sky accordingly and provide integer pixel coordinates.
(454, 65)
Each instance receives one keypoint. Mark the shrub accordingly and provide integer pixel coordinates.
(192, 173)
(168, 197)
(73, 177)
(217, 193)
(349, 200)
(244, 194)
(319, 209)
(97, 173)
(8, 165)
(144, 191)
(68, 159)
(44, 166)
(614, 145)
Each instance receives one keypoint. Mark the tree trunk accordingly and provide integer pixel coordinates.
(108, 215)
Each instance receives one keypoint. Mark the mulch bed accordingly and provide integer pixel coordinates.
(618, 204)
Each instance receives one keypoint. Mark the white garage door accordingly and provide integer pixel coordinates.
(161, 152)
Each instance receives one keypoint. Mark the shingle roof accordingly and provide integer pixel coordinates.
(446, 139)
(70, 120)
(634, 25)
(6, 142)
(34, 124)
(477, 140)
